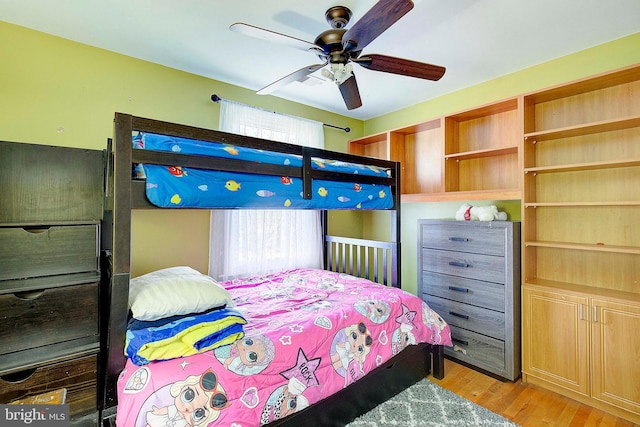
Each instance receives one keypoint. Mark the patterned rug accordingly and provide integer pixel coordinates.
(427, 404)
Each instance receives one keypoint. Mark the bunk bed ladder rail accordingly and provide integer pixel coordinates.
(370, 259)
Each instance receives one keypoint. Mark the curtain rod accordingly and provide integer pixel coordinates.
(215, 98)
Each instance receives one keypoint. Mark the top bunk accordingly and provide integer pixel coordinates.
(170, 165)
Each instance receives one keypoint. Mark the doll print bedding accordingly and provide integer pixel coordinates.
(309, 333)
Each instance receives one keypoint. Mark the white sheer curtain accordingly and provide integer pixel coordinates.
(249, 241)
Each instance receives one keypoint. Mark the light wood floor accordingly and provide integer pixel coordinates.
(524, 404)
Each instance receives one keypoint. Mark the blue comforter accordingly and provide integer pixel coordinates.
(178, 187)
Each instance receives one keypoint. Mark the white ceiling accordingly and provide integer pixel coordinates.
(476, 40)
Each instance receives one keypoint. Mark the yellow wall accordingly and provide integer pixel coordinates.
(57, 92)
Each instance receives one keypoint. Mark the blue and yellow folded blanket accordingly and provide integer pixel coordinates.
(184, 336)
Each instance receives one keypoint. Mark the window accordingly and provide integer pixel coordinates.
(248, 242)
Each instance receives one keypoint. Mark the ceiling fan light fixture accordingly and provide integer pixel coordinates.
(339, 73)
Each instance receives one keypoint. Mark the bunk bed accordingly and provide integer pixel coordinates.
(161, 147)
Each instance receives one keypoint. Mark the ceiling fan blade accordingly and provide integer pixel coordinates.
(405, 67)
(295, 76)
(350, 93)
(381, 16)
(272, 36)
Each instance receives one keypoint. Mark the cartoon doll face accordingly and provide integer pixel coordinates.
(250, 351)
(360, 341)
(375, 310)
(378, 311)
(285, 400)
(402, 337)
(289, 403)
(192, 404)
(198, 399)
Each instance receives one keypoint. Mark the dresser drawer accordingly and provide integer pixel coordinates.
(482, 294)
(78, 376)
(48, 251)
(487, 322)
(43, 184)
(473, 266)
(477, 349)
(461, 237)
(33, 319)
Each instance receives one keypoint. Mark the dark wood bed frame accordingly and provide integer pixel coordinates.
(378, 261)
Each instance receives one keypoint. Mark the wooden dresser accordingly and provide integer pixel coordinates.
(469, 272)
(50, 219)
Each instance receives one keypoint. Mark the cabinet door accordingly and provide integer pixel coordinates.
(555, 338)
(616, 353)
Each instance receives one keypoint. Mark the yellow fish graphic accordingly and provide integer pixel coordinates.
(175, 199)
(232, 185)
(231, 150)
(322, 192)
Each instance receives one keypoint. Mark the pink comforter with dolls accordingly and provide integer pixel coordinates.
(309, 334)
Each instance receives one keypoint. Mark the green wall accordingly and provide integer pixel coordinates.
(57, 92)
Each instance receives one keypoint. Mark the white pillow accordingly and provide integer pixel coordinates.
(174, 291)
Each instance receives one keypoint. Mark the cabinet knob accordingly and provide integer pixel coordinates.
(459, 341)
(462, 316)
(458, 264)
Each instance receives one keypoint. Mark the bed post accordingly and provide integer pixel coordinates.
(395, 228)
(119, 259)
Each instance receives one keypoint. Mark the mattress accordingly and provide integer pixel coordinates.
(309, 334)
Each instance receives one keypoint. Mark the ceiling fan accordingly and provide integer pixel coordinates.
(339, 47)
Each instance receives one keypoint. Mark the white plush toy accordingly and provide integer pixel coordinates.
(466, 212)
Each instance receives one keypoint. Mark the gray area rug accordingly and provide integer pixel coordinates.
(427, 404)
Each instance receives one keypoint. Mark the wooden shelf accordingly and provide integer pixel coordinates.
(478, 154)
(586, 85)
(584, 247)
(572, 287)
(585, 166)
(585, 129)
(621, 203)
(451, 196)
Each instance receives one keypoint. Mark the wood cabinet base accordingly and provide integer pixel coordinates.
(612, 409)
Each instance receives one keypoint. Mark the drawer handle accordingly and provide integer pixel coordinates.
(458, 340)
(18, 377)
(458, 239)
(458, 264)
(462, 316)
(455, 288)
(29, 295)
(37, 230)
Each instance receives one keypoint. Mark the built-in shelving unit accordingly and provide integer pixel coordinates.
(571, 154)
(471, 155)
(581, 244)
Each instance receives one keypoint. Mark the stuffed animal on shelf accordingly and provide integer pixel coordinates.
(466, 212)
